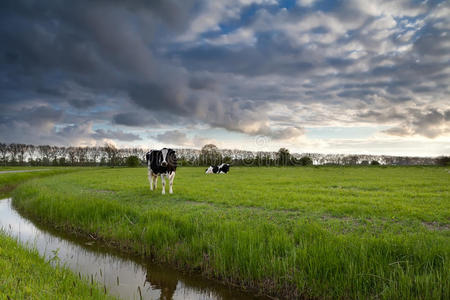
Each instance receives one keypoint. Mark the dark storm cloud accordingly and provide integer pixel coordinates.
(430, 123)
(37, 117)
(120, 135)
(144, 119)
(202, 83)
(147, 63)
(82, 104)
(130, 119)
(250, 61)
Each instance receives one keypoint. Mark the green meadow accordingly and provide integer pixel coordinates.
(9, 181)
(312, 232)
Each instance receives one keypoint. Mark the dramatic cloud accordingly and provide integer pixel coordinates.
(101, 134)
(174, 137)
(429, 124)
(82, 72)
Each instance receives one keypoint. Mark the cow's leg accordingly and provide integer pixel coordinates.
(163, 183)
(171, 177)
(150, 179)
(155, 180)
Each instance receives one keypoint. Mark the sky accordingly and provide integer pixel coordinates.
(349, 76)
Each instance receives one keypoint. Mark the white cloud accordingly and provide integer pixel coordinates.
(306, 3)
(242, 36)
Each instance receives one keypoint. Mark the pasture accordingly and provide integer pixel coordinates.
(313, 232)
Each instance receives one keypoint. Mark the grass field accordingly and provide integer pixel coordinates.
(326, 232)
(25, 275)
(9, 181)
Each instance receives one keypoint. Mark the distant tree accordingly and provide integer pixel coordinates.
(14, 150)
(132, 161)
(112, 153)
(306, 161)
(94, 153)
(227, 160)
(4, 152)
(283, 156)
(22, 150)
(350, 160)
(443, 161)
(82, 154)
(210, 155)
(72, 153)
(61, 153)
(44, 151)
(365, 163)
(31, 150)
(374, 163)
(53, 154)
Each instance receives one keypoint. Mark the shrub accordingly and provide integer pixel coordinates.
(443, 161)
(374, 163)
(305, 161)
(132, 161)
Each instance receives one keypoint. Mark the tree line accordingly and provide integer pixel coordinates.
(46, 155)
(108, 155)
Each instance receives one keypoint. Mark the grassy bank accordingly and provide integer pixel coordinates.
(327, 232)
(9, 181)
(26, 275)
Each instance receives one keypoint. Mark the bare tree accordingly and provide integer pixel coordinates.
(62, 151)
(31, 149)
(94, 153)
(44, 151)
(53, 153)
(111, 152)
(22, 150)
(210, 155)
(14, 151)
(82, 154)
(72, 153)
(4, 149)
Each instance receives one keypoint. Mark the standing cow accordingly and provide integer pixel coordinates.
(164, 163)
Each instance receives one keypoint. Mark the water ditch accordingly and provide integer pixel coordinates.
(123, 276)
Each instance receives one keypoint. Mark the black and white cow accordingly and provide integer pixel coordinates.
(161, 163)
(221, 169)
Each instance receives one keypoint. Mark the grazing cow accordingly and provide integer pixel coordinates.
(222, 169)
(164, 163)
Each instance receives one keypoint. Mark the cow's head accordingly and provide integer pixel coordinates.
(167, 157)
(164, 152)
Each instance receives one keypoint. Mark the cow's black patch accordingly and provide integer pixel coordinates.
(155, 160)
(223, 168)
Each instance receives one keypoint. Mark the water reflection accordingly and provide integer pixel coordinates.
(126, 277)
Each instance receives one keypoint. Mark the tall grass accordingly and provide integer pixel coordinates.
(26, 275)
(296, 232)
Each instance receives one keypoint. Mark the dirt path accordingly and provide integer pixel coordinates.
(22, 171)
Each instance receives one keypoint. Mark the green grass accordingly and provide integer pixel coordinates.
(26, 275)
(326, 232)
(9, 181)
